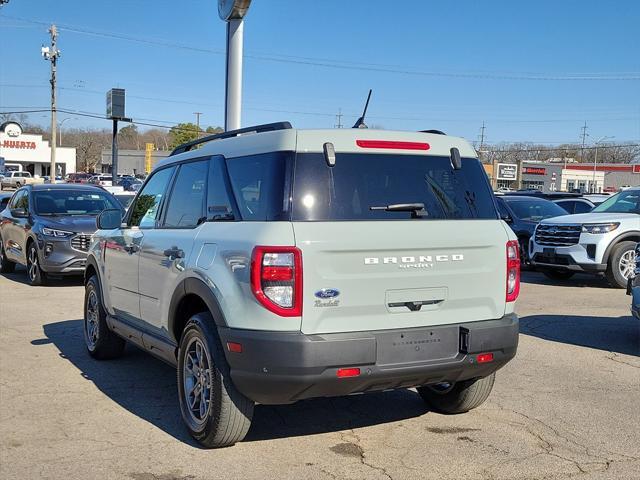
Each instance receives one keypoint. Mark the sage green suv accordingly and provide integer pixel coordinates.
(271, 265)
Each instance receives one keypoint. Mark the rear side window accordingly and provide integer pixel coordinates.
(185, 207)
(261, 185)
(360, 181)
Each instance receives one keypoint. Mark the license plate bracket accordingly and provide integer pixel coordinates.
(417, 346)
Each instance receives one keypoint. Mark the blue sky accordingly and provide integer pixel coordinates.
(442, 65)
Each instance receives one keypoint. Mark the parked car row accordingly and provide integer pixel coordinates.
(562, 233)
(289, 264)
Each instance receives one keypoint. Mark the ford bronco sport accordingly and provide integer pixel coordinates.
(271, 265)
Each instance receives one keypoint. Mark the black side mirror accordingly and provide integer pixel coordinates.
(19, 213)
(109, 219)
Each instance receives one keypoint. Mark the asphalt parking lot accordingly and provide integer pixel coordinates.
(567, 406)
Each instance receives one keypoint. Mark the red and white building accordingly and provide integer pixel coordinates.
(30, 153)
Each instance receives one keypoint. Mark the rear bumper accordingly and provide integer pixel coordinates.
(283, 367)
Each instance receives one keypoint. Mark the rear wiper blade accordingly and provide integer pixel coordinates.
(417, 209)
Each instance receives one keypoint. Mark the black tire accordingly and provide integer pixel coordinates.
(558, 274)
(227, 413)
(6, 265)
(101, 342)
(36, 276)
(614, 266)
(459, 397)
(18, 185)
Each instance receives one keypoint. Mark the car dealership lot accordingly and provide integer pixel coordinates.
(566, 406)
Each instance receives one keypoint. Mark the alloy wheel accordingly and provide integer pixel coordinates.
(91, 322)
(627, 263)
(33, 266)
(197, 381)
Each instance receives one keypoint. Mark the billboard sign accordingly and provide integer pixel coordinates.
(507, 171)
(115, 103)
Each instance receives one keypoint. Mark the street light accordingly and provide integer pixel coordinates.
(60, 128)
(595, 161)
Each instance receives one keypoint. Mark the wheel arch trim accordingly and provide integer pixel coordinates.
(626, 236)
(194, 286)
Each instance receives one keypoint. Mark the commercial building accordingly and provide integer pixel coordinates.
(30, 153)
(565, 176)
(130, 162)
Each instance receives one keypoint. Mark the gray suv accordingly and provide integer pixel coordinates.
(48, 228)
(271, 265)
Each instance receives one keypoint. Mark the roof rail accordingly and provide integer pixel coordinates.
(437, 132)
(268, 127)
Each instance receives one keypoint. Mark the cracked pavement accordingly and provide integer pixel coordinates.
(566, 407)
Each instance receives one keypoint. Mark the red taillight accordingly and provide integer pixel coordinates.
(348, 372)
(276, 279)
(484, 358)
(513, 270)
(392, 145)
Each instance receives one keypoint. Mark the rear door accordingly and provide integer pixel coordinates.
(373, 270)
(167, 249)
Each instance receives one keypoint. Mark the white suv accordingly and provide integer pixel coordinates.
(602, 241)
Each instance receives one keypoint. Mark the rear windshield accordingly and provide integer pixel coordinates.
(360, 181)
(72, 202)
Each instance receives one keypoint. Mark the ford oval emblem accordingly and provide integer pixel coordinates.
(327, 293)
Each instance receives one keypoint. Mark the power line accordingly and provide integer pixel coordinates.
(351, 65)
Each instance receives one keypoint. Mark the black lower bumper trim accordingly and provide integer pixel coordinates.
(283, 367)
(565, 262)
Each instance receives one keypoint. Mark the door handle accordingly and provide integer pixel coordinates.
(173, 253)
(131, 248)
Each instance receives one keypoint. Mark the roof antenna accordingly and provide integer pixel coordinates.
(360, 123)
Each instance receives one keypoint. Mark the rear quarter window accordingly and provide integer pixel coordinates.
(261, 185)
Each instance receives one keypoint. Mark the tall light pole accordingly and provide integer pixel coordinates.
(51, 54)
(233, 12)
(595, 162)
(60, 128)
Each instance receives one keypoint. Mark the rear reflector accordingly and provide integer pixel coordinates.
(348, 372)
(234, 347)
(277, 274)
(484, 358)
(393, 145)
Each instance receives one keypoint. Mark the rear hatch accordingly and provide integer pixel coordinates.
(369, 269)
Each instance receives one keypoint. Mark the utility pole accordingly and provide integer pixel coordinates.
(339, 119)
(51, 54)
(482, 137)
(584, 139)
(197, 114)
